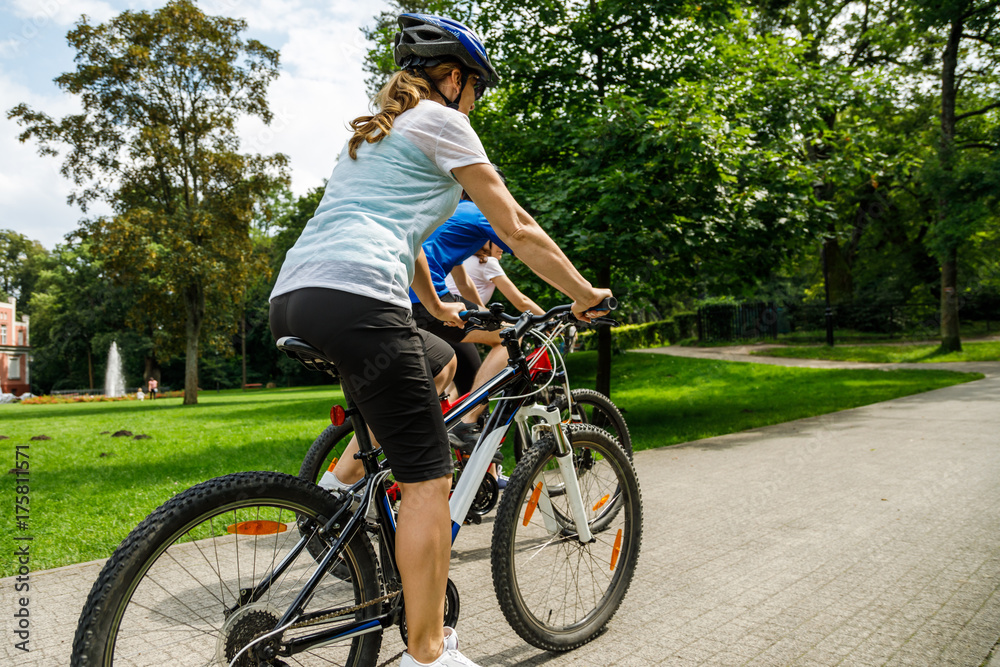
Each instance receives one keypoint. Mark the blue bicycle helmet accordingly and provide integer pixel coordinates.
(425, 40)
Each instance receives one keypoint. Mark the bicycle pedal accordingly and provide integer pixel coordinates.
(473, 518)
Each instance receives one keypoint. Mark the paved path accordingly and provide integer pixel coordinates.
(865, 537)
(743, 353)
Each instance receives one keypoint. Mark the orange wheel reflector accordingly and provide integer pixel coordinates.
(617, 550)
(333, 464)
(257, 528)
(532, 504)
(602, 501)
(338, 415)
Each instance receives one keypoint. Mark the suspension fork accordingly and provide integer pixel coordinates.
(564, 456)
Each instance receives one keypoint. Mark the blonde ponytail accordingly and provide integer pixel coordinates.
(402, 92)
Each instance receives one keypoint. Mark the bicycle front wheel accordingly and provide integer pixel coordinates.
(556, 592)
(211, 572)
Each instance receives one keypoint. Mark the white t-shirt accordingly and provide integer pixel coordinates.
(482, 276)
(378, 209)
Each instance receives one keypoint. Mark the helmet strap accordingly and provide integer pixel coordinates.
(451, 104)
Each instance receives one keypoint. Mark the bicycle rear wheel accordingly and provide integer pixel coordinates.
(177, 590)
(556, 592)
(325, 450)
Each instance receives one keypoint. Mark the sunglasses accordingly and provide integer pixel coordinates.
(479, 87)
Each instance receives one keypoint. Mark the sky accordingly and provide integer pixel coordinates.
(320, 89)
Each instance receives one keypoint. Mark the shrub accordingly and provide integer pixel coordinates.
(651, 334)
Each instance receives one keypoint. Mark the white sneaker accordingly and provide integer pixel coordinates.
(330, 483)
(450, 658)
(450, 639)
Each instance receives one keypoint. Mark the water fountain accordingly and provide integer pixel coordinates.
(114, 377)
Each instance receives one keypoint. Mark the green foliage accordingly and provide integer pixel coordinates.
(21, 263)
(651, 334)
(76, 312)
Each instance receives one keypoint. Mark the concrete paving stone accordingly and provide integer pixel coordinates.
(877, 649)
(753, 642)
(709, 646)
(726, 659)
(841, 642)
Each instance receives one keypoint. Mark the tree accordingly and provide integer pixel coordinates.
(965, 176)
(76, 312)
(21, 262)
(650, 138)
(162, 93)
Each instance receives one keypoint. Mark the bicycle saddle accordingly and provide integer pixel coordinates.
(307, 355)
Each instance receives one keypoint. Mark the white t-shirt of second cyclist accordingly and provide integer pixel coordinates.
(482, 276)
(377, 210)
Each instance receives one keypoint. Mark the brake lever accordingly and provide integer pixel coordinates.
(474, 324)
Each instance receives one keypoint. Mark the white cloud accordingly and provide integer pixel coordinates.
(32, 192)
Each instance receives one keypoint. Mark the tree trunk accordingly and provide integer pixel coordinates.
(838, 271)
(604, 338)
(90, 370)
(243, 346)
(194, 304)
(950, 336)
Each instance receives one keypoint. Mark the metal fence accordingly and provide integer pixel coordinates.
(758, 320)
(745, 321)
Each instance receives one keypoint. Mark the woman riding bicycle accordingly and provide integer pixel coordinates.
(343, 286)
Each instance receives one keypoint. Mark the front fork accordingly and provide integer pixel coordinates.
(564, 456)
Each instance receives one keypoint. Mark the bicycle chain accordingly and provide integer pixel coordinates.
(344, 612)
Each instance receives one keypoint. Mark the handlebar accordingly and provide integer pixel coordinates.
(492, 318)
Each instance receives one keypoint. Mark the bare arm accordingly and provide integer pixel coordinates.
(423, 287)
(465, 286)
(516, 296)
(528, 240)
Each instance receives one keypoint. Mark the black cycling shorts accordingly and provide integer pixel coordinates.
(385, 362)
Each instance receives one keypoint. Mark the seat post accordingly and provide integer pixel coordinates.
(366, 451)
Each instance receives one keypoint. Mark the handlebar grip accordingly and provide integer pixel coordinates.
(611, 303)
(464, 314)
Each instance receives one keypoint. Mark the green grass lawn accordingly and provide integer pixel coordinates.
(884, 354)
(89, 489)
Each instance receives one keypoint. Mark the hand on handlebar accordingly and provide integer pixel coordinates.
(585, 309)
(448, 312)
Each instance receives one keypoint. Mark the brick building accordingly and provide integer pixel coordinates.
(14, 350)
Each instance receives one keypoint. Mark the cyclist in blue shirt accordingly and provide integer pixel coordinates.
(452, 243)
(464, 234)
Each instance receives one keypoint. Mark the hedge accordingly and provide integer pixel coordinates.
(651, 334)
